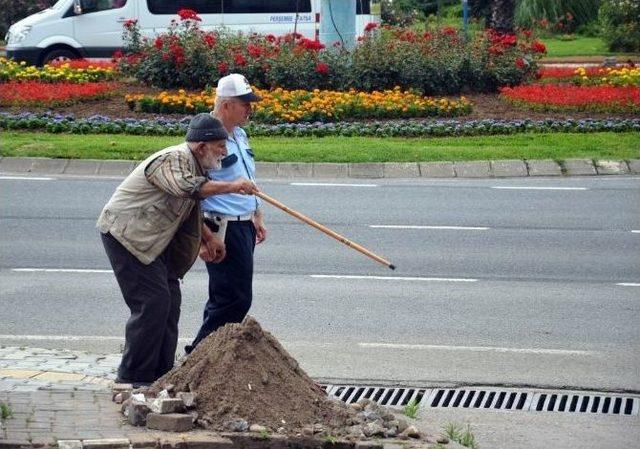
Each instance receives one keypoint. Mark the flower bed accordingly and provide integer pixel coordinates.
(56, 123)
(281, 105)
(552, 97)
(436, 62)
(592, 76)
(69, 72)
(36, 93)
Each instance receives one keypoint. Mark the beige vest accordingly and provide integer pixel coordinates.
(146, 220)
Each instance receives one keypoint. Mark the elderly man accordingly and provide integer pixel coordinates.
(152, 232)
(235, 220)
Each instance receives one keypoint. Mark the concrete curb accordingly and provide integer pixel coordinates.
(373, 170)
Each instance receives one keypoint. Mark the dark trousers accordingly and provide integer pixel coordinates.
(152, 293)
(230, 281)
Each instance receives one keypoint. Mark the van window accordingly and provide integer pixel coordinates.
(363, 7)
(173, 6)
(265, 6)
(101, 5)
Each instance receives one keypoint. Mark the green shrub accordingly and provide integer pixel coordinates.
(620, 21)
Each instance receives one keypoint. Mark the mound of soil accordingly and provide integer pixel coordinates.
(242, 372)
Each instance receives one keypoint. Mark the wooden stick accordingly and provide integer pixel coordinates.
(324, 229)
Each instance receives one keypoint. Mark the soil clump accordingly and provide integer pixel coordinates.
(241, 372)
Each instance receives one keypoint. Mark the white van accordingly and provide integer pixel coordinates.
(73, 29)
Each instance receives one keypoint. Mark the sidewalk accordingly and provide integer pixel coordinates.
(63, 398)
(268, 170)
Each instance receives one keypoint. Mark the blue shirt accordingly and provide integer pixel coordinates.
(238, 163)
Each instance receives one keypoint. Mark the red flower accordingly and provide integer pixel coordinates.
(130, 23)
(223, 67)
(209, 40)
(117, 54)
(538, 47)
(322, 68)
(188, 14)
(521, 64)
(270, 38)
(426, 36)
(239, 59)
(158, 43)
(370, 27)
(567, 96)
(37, 92)
(254, 50)
(449, 31)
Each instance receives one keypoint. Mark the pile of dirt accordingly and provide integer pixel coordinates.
(241, 372)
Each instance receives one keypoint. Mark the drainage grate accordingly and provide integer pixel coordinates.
(490, 399)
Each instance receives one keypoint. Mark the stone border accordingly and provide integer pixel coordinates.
(372, 170)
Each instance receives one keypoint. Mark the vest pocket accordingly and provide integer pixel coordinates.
(145, 228)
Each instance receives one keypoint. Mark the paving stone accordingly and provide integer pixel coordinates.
(437, 170)
(82, 167)
(69, 444)
(634, 165)
(368, 445)
(172, 422)
(18, 374)
(294, 170)
(473, 169)
(612, 167)
(509, 168)
(143, 441)
(366, 170)
(330, 170)
(167, 405)
(401, 170)
(543, 167)
(116, 168)
(207, 442)
(579, 167)
(266, 170)
(56, 376)
(106, 443)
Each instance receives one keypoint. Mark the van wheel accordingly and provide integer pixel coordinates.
(59, 55)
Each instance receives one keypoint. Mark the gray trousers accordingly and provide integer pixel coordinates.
(152, 293)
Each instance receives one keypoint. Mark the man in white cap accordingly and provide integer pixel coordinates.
(234, 219)
(152, 232)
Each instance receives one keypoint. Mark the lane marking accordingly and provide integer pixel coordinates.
(635, 231)
(58, 270)
(461, 228)
(391, 278)
(537, 188)
(70, 338)
(628, 284)
(26, 178)
(476, 348)
(323, 184)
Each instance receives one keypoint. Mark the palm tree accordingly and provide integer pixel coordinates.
(502, 15)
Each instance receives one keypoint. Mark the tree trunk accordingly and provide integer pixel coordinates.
(502, 15)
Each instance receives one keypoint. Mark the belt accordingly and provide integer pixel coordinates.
(214, 215)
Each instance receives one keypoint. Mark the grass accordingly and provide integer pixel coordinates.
(558, 146)
(580, 46)
(461, 435)
(5, 411)
(411, 410)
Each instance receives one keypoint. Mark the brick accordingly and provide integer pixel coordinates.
(330, 170)
(437, 170)
(401, 170)
(579, 167)
(106, 443)
(172, 442)
(172, 422)
(167, 405)
(189, 399)
(634, 165)
(143, 441)
(207, 442)
(543, 167)
(137, 413)
(612, 167)
(366, 170)
(69, 444)
(368, 445)
(474, 169)
(294, 170)
(508, 168)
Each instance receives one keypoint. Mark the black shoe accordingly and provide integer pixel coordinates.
(134, 384)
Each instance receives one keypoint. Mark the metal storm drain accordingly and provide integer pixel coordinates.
(491, 399)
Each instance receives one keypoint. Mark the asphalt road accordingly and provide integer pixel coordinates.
(529, 281)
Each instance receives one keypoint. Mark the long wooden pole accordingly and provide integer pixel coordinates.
(324, 229)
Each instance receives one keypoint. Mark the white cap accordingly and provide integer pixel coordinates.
(236, 85)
